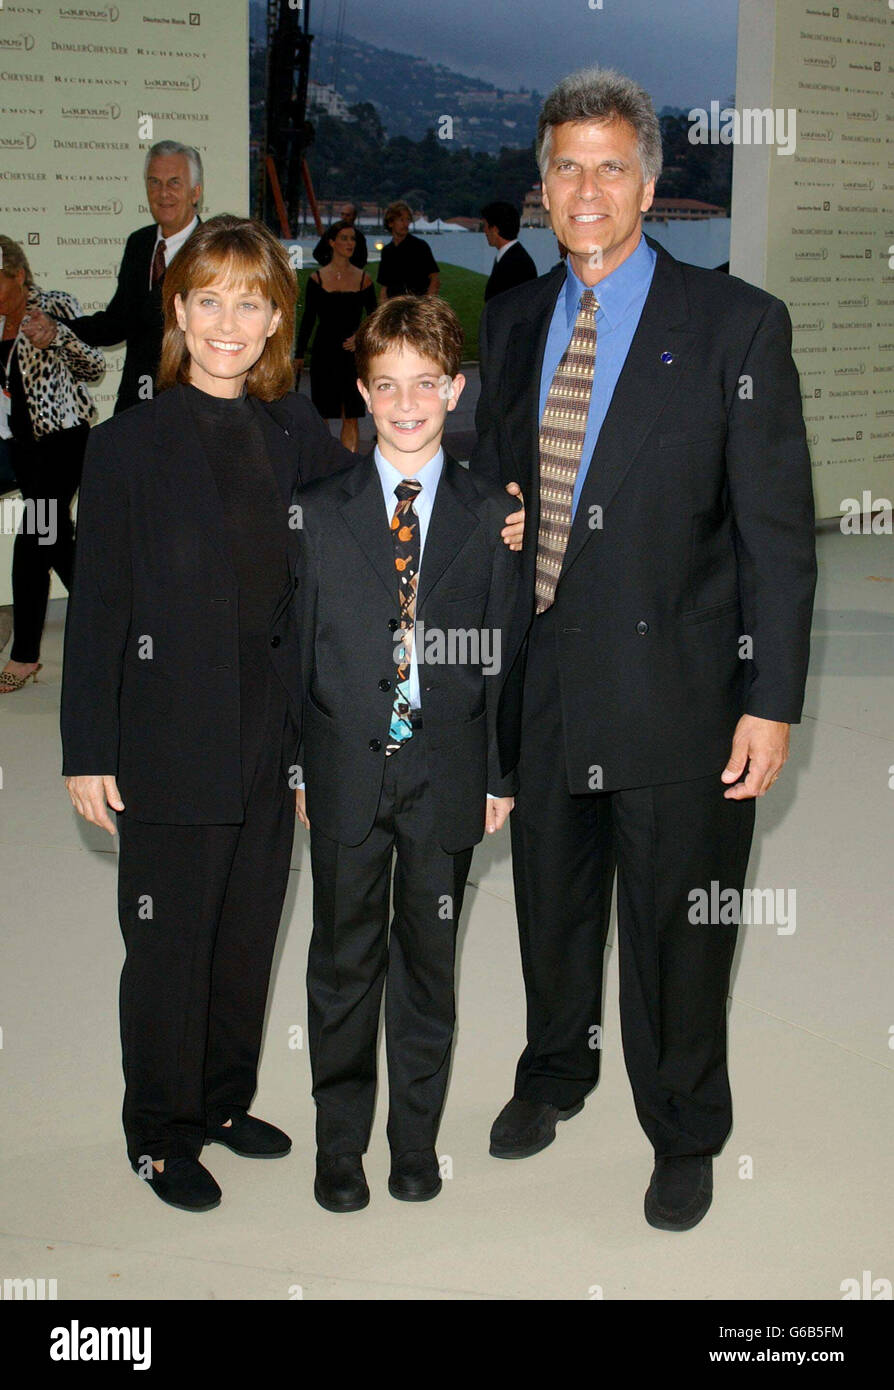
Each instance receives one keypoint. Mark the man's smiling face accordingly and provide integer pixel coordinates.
(595, 194)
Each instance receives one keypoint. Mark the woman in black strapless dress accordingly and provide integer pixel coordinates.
(337, 297)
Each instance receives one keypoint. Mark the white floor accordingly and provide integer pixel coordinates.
(811, 1043)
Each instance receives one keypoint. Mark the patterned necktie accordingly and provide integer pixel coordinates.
(158, 262)
(405, 535)
(562, 432)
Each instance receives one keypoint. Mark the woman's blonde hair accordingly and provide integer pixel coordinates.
(12, 259)
(237, 251)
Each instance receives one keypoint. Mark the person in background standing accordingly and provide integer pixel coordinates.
(173, 174)
(337, 297)
(45, 414)
(407, 265)
(513, 266)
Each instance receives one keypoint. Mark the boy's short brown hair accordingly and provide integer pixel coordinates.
(424, 323)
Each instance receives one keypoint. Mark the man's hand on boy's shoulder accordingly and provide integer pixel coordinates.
(513, 532)
(498, 808)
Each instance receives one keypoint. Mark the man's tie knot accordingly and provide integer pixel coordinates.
(406, 491)
(588, 302)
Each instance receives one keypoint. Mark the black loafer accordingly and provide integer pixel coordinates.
(680, 1192)
(184, 1183)
(250, 1137)
(340, 1184)
(415, 1176)
(524, 1127)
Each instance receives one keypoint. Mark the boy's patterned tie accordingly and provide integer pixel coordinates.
(405, 535)
(562, 432)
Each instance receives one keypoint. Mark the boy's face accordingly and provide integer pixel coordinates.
(409, 397)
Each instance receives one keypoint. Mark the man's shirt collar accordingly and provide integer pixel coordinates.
(620, 288)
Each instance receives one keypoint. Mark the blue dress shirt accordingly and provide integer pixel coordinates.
(621, 297)
(429, 476)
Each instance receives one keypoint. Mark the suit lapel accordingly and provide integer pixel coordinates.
(524, 363)
(450, 525)
(645, 384)
(365, 515)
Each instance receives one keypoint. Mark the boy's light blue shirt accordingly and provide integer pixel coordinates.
(621, 297)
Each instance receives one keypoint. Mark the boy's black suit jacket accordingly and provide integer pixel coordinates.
(133, 316)
(347, 595)
(152, 561)
(695, 528)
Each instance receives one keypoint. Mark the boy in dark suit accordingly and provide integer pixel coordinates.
(405, 591)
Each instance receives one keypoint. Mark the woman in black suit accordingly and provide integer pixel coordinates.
(179, 697)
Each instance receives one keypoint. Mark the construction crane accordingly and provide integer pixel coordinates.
(287, 131)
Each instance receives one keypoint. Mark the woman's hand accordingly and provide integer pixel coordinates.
(513, 532)
(39, 328)
(498, 808)
(91, 798)
(301, 807)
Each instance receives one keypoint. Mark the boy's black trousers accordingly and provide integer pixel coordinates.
(352, 959)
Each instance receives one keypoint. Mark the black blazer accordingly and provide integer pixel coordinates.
(152, 561)
(513, 268)
(347, 595)
(133, 316)
(705, 534)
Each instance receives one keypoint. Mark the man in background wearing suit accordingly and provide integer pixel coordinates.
(651, 412)
(173, 174)
(513, 266)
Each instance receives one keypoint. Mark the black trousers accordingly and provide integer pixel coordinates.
(48, 472)
(199, 907)
(351, 958)
(664, 841)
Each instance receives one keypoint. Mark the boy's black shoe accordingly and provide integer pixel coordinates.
(680, 1192)
(184, 1183)
(524, 1127)
(415, 1176)
(340, 1183)
(250, 1137)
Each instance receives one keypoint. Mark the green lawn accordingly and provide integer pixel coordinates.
(463, 290)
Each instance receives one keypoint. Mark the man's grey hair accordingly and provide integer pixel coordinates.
(196, 174)
(601, 94)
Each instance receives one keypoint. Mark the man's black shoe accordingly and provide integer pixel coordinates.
(524, 1127)
(250, 1137)
(415, 1176)
(184, 1183)
(680, 1192)
(340, 1182)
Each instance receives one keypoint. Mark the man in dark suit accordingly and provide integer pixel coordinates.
(322, 252)
(651, 413)
(404, 588)
(173, 174)
(513, 266)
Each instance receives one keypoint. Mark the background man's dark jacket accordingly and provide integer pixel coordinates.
(347, 592)
(152, 561)
(515, 267)
(132, 316)
(686, 594)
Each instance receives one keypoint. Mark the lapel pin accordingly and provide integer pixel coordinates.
(667, 358)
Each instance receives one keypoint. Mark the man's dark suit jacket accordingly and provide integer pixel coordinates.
(513, 268)
(347, 595)
(133, 316)
(152, 561)
(695, 528)
(322, 252)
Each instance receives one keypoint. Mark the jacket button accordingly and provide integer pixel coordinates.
(642, 627)
(384, 685)
(296, 583)
(393, 624)
(375, 745)
(274, 641)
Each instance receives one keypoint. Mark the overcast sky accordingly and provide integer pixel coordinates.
(683, 51)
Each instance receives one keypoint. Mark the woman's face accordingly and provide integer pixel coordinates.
(345, 241)
(226, 331)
